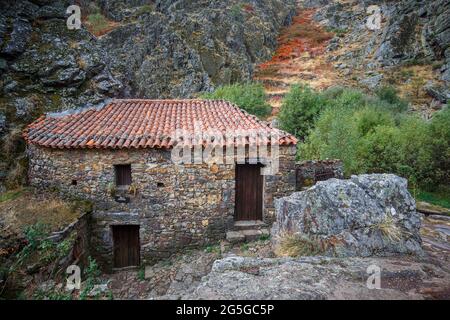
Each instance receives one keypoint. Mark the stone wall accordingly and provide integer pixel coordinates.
(310, 171)
(176, 206)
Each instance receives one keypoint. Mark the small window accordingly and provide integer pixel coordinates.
(123, 174)
(74, 182)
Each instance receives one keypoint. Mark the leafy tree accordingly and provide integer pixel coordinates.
(299, 110)
(371, 135)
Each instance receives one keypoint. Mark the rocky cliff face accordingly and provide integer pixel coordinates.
(411, 48)
(150, 49)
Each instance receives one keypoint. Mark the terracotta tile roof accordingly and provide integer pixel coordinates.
(142, 124)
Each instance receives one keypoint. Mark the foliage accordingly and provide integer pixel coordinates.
(373, 135)
(388, 229)
(245, 247)
(92, 270)
(111, 189)
(299, 110)
(51, 295)
(439, 197)
(338, 31)
(293, 245)
(91, 274)
(97, 22)
(249, 96)
(389, 95)
(264, 237)
(36, 236)
(236, 11)
(439, 146)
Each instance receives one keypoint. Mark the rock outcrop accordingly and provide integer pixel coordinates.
(319, 278)
(410, 50)
(367, 215)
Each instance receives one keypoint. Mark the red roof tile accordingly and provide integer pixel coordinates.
(144, 124)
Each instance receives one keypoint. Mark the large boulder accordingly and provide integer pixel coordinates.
(367, 215)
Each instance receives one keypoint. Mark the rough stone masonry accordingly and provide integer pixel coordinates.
(176, 206)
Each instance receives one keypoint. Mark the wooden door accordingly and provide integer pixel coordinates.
(126, 246)
(249, 192)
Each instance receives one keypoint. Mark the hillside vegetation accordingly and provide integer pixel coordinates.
(371, 134)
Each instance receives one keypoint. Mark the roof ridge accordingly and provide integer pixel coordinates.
(119, 123)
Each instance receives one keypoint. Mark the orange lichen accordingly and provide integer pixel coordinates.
(300, 57)
(303, 35)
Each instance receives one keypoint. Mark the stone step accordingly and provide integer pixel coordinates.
(246, 235)
(249, 225)
(235, 237)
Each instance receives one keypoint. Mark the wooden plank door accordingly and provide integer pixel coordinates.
(126, 246)
(249, 192)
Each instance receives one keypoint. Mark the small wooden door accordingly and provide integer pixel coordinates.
(126, 246)
(249, 192)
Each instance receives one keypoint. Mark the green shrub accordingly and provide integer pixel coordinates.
(97, 23)
(250, 96)
(91, 274)
(439, 146)
(333, 137)
(145, 9)
(299, 110)
(92, 270)
(236, 11)
(35, 235)
(373, 135)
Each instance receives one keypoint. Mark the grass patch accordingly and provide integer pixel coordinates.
(249, 96)
(145, 9)
(299, 29)
(10, 195)
(24, 207)
(293, 245)
(439, 198)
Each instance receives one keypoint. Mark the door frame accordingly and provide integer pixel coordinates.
(263, 187)
(118, 225)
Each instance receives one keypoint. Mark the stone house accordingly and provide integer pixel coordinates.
(147, 206)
